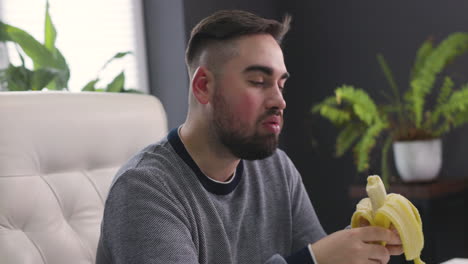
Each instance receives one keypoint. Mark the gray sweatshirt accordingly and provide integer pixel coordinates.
(162, 209)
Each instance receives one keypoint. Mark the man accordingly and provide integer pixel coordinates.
(217, 190)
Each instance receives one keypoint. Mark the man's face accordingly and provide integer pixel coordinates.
(248, 102)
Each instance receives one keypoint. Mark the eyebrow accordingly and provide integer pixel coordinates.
(267, 70)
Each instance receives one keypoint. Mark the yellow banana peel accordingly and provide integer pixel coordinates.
(385, 210)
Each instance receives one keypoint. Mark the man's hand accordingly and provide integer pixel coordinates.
(393, 249)
(357, 246)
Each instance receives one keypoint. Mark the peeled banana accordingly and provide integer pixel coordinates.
(385, 210)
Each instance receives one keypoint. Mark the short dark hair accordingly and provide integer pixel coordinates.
(226, 25)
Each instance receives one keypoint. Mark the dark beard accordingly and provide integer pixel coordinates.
(239, 143)
(249, 148)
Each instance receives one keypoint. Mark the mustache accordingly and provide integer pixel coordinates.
(271, 112)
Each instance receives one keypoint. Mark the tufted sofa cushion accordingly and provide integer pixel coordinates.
(58, 154)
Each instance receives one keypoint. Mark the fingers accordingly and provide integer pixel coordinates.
(376, 234)
(378, 253)
(395, 250)
(395, 231)
(391, 237)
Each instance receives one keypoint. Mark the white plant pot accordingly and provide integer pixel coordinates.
(419, 160)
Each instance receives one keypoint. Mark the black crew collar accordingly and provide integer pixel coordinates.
(208, 184)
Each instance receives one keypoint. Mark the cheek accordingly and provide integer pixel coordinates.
(247, 108)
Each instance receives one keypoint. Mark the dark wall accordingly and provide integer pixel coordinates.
(165, 42)
(335, 42)
(197, 10)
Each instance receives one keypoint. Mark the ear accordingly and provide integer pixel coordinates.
(202, 85)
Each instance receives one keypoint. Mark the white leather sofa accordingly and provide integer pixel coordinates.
(58, 154)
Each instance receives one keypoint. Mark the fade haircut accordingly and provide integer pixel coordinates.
(217, 31)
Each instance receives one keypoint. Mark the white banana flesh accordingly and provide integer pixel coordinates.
(385, 210)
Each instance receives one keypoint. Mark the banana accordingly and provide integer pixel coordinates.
(385, 210)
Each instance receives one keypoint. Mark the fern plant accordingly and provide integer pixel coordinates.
(362, 122)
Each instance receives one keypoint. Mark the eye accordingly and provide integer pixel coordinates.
(281, 87)
(257, 83)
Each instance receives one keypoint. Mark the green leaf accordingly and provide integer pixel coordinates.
(116, 56)
(384, 161)
(117, 85)
(389, 76)
(39, 54)
(443, 128)
(423, 81)
(23, 62)
(90, 86)
(4, 37)
(391, 81)
(445, 91)
(363, 106)
(366, 144)
(60, 62)
(330, 109)
(42, 77)
(458, 101)
(16, 86)
(62, 80)
(50, 34)
(454, 110)
(461, 118)
(421, 56)
(135, 91)
(348, 135)
(330, 101)
(121, 55)
(17, 78)
(442, 99)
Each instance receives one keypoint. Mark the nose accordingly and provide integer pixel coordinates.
(276, 99)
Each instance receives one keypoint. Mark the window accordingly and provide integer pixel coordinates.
(89, 33)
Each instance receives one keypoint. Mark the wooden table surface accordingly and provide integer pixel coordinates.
(428, 190)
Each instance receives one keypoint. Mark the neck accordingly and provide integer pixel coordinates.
(213, 159)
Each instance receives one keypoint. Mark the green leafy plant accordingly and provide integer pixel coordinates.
(362, 122)
(50, 69)
(117, 85)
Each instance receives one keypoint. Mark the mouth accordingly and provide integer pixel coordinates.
(272, 124)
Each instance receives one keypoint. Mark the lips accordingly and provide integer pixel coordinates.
(273, 123)
(276, 119)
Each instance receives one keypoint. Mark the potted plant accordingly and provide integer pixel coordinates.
(117, 85)
(50, 69)
(406, 121)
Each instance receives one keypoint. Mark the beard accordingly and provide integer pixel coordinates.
(236, 137)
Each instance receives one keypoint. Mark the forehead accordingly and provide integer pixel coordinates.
(258, 50)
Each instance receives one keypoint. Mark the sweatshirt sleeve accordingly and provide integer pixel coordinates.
(306, 225)
(302, 256)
